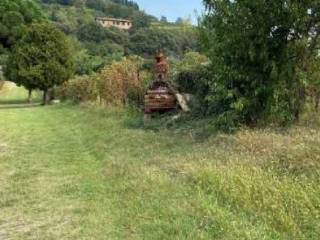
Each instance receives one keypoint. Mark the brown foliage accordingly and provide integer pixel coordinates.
(122, 83)
(1, 84)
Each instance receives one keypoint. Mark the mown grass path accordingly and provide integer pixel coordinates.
(70, 172)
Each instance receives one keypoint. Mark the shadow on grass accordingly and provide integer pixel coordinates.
(13, 101)
(199, 129)
(15, 104)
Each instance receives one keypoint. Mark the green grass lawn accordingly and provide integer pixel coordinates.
(80, 172)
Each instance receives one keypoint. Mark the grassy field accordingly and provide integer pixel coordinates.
(79, 172)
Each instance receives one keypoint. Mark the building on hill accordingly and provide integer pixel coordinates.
(122, 24)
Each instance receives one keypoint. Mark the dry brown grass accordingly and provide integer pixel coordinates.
(119, 81)
(1, 85)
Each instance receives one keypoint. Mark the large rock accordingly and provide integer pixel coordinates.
(183, 101)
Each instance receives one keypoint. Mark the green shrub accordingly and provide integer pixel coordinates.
(80, 89)
(188, 72)
(256, 69)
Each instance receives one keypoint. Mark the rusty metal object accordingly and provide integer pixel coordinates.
(160, 95)
(161, 67)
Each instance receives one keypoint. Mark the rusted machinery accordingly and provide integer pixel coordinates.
(160, 95)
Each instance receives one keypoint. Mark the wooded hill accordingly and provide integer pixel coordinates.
(99, 46)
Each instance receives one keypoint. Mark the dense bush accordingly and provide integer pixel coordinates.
(258, 56)
(92, 31)
(187, 72)
(68, 19)
(87, 62)
(80, 89)
(120, 83)
(123, 82)
(128, 3)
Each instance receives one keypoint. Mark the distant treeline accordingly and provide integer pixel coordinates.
(95, 4)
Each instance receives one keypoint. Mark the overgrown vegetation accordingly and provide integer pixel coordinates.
(261, 53)
(121, 83)
(97, 171)
(88, 173)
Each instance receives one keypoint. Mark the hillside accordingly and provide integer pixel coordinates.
(99, 45)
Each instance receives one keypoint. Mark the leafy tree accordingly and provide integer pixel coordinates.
(257, 49)
(146, 41)
(41, 60)
(104, 49)
(96, 4)
(118, 11)
(92, 32)
(141, 20)
(62, 2)
(186, 72)
(15, 16)
(68, 19)
(127, 3)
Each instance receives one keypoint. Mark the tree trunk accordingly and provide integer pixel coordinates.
(299, 102)
(317, 102)
(30, 96)
(45, 99)
(51, 94)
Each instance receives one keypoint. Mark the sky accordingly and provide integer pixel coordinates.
(172, 9)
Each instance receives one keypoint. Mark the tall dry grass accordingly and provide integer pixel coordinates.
(120, 83)
(1, 84)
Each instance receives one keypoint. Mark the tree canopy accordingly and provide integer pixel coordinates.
(173, 42)
(258, 51)
(42, 59)
(15, 16)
